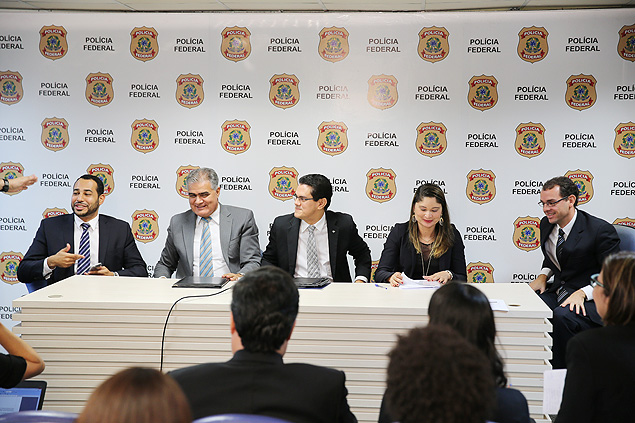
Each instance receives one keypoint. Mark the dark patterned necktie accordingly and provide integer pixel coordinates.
(313, 268)
(560, 246)
(84, 249)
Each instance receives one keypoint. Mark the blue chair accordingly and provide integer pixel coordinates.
(39, 416)
(238, 418)
(627, 237)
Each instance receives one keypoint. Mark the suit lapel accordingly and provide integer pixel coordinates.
(104, 238)
(572, 240)
(333, 233)
(188, 236)
(225, 223)
(68, 232)
(293, 233)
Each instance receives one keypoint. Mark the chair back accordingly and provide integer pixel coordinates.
(39, 416)
(239, 418)
(627, 237)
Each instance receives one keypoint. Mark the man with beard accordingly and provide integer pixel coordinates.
(76, 243)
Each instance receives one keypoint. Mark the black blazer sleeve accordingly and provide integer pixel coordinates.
(118, 250)
(273, 250)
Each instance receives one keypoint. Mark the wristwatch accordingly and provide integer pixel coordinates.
(5, 187)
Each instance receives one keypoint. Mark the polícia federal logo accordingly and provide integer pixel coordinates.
(53, 211)
(181, 176)
(382, 91)
(53, 42)
(332, 138)
(624, 143)
(189, 90)
(144, 44)
(431, 139)
(11, 91)
(99, 89)
(433, 45)
(626, 43)
(284, 91)
(530, 139)
(283, 181)
(584, 180)
(480, 272)
(526, 234)
(381, 184)
(145, 135)
(333, 45)
(483, 92)
(235, 138)
(9, 262)
(55, 134)
(106, 173)
(532, 44)
(481, 188)
(580, 94)
(235, 45)
(145, 225)
(11, 170)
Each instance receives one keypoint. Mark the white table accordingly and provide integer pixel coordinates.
(88, 327)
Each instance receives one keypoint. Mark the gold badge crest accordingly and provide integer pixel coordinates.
(333, 45)
(581, 92)
(530, 139)
(584, 180)
(431, 139)
(11, 91)
(11, 170)
(481, 187)
(483, 92)
(480, 272)
(9, 263)
(532, 44)
(145, 135)
(144, 44)
(99, 89)
(626, 44)
(107, 175)
(624, 143)
(382, 91)
(55, 134)
(526, 234)
(145, 225)
(625, 221)
(381, 185)
(181, 176)
(434, 45)
(283, 181)
(52, 212)
(332, 138)
(236, 45)
(373, 268)
(189, 90)
(284, 91)
(235, 138)
(53, 42)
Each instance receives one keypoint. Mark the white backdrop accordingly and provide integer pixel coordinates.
(362, 47)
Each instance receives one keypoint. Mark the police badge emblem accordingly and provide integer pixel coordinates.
(107, 175)
(189, 90)
(53, 42)
(99, 89)
(381, 184)
(626, 43)
(11, 91)
(526, 234)
(530, 139)
(52, 212)
(145, 225)
(431, 139)
(532, 44)
(9, 262)
(332, 138)
(333, 45)
(235, 138)
(11, 170)
(145, 135)
(235, 45)
(625, 221)
(144, 44)
(55, 134)
(580, 94)
(433, 45)
(283, 181)
(181, 176)
(483, 92)
(382, 91)
(481, 187)
(284, 91)
(373, 268)
(624, 143)
(584, 180)
(480, 272)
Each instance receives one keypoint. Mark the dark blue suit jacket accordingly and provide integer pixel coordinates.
(117, 249)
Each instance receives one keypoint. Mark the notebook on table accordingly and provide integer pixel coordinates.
(201, 282)
(311, 282)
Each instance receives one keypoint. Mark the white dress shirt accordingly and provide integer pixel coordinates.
(218, 261)
(322, 241)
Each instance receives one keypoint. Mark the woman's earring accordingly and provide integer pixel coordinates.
(441, 221)
(413, 218)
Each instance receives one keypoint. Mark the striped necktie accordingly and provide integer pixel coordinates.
(206, 267)
(560, 246)
(84, 249)
(313, 268)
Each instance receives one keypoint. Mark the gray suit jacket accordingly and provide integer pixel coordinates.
(238, 239)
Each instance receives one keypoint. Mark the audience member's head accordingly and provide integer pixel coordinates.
(614, 292)
(436, 376)
(137, 395)
(264, 307)
(467, 310)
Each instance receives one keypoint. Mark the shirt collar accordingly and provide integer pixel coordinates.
(94, 222)
(567, 228)
(319, 225)
(214, 216)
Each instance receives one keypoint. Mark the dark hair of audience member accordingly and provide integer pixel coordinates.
(436, 376)
(467, 310)
(320, 187)
(566, 185)
(618, 275)
(99, 182)
(137, 395)
(264, 307)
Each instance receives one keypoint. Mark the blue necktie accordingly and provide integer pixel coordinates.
(84, 249)
(206, 267)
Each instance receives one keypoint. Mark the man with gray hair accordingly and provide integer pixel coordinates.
(211, 239)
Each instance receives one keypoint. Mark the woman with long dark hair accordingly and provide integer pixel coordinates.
(427, 246)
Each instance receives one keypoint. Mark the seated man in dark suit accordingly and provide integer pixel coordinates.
(313, 241)
(574, 244)
(256, 380)
(74, 243)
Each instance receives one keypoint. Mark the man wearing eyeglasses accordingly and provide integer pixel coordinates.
(210, 239)
(574, 244)
(314, 241)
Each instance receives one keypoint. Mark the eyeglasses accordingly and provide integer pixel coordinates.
(302, 199)
(595, 282)
(551, 203)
